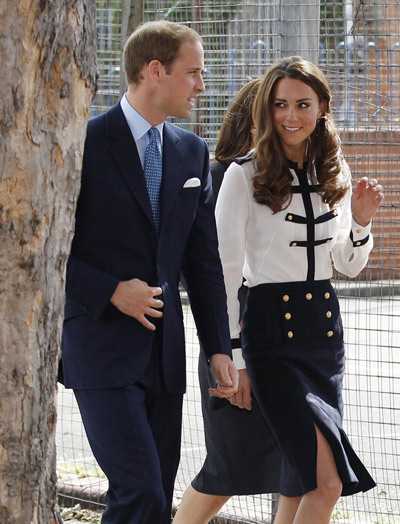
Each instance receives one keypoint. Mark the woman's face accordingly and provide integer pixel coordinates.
(295, 110)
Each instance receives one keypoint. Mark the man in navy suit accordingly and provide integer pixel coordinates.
(123, 349)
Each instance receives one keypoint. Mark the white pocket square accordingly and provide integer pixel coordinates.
(192, 182)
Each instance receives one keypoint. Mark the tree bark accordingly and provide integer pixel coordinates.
(48, 67)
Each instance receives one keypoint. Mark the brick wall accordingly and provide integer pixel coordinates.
(376, 153)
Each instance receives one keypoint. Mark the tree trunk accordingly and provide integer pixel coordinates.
(48, 67)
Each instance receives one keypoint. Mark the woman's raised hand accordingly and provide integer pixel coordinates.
(366, 199)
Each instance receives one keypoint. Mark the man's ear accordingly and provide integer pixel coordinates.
(155, 68)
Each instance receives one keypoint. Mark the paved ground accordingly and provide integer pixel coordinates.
(372, 419)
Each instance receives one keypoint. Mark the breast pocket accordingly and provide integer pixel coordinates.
(188, 201)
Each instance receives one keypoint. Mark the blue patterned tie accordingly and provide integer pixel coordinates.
(153, 174)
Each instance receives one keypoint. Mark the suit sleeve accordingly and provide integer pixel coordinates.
(202, 272)
(89, 288)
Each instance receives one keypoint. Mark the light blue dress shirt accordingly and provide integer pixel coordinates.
(139, 128)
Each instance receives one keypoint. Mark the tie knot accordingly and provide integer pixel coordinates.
(153, 133)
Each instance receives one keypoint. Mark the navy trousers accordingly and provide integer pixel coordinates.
(135, 435)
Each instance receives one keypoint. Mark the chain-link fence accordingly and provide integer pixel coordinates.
(357, 45)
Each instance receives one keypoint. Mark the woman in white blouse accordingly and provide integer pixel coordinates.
(285, 213)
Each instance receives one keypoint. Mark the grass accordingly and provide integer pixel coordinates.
(80, 471)
(82, 515)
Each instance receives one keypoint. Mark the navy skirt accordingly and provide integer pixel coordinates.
(294, 351)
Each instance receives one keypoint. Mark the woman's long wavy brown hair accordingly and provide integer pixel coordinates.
(235, 138)
(272, 181)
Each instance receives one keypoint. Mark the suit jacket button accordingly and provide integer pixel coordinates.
(308, 296)
(285, 298)
(329, 334)
(290, 334)
(328, 314)
(288, 316)
(327, 295)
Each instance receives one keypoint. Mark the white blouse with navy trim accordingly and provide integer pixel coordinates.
(299, 243)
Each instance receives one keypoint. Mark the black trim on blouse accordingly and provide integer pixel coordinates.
(236, 343)
(358, 243)
(305, 189)
(242, 159)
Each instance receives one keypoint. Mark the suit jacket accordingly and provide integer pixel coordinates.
(115, 240)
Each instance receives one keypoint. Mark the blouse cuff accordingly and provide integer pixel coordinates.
(359, 235)
(238, 359)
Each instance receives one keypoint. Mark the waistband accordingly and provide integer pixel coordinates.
(280, 287)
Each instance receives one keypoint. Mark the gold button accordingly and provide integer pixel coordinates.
(285, 298)
(358, 243)
(334, 212)
(329, 334)
(358, 231)
(290, 217)
(308, 296)
(290, 334)
(328, 240)
(328, 314)
(327, 295)
(294, 244)
(288, 316)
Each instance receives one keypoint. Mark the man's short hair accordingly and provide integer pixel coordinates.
(156, 40)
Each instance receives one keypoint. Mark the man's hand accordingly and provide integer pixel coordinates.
(242, 399)
(226, 374)
(136, 299)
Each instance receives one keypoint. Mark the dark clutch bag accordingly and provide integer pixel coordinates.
(215, 403)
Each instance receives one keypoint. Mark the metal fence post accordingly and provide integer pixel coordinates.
(299, 32)
(132, 16)
(274, 505)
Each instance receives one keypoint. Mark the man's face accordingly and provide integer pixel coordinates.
(184, 82)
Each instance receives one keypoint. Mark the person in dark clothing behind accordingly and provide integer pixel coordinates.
(242, 455)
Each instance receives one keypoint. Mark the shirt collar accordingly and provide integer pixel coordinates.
(295, 165)
(137, 124)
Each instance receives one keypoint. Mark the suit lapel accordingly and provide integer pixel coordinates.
(125, 155)
(172, 172)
